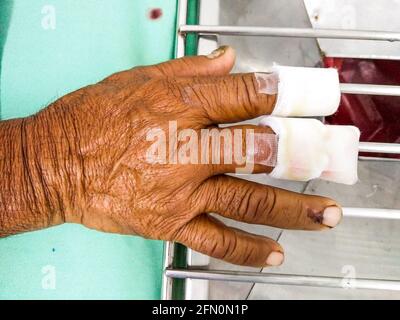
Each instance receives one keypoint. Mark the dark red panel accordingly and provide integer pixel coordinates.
(377, 117)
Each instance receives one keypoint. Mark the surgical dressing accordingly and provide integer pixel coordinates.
(301, 92)
(308, 149)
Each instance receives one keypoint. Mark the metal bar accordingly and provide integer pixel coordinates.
(383, 90)
(378, 147)
(362, 158)
(339, 54)
(181, 20)
(284, 279)
(167, 282)
(371, 213)
(292, 32)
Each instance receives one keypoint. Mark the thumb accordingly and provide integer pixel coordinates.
(219, 62)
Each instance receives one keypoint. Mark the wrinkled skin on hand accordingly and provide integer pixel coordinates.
(88, 160)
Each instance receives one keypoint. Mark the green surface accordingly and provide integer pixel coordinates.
(90, 40)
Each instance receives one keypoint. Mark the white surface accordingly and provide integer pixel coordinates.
(382, 15)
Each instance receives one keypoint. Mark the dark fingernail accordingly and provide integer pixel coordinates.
(217, 52)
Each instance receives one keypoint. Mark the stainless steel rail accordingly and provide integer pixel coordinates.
(284, 279)
(291, 32)
(166, 291)
(378, 147)
(382, 90)
(366, 158)
(371, 213)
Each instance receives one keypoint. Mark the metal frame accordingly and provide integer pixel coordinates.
(373, 89)
(283, 279)
(170, 273)
(379, 147)
(290, 32)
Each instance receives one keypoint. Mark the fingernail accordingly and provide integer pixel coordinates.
(217, 52)
(275, 258)
(332, 216)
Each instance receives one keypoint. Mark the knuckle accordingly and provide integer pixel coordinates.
(202, 94)
(229, 247)
(246, 86)
(160, 95)
(247, 204)
(245, 93)
(112, 79)
(249, 253)
(214, 248)
(259, 206)
(270, 203)
(201, 199)
(232, 199)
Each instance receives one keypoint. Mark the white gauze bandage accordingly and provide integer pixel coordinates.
(308, 149)
(302, 92)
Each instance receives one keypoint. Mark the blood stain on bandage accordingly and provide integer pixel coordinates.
(155, 13)
(264, 150)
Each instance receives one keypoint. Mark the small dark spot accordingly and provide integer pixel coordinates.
(155, 13)
(317, 217)
(54, 249)
(316, 17)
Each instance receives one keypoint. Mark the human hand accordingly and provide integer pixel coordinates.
(88, 160)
